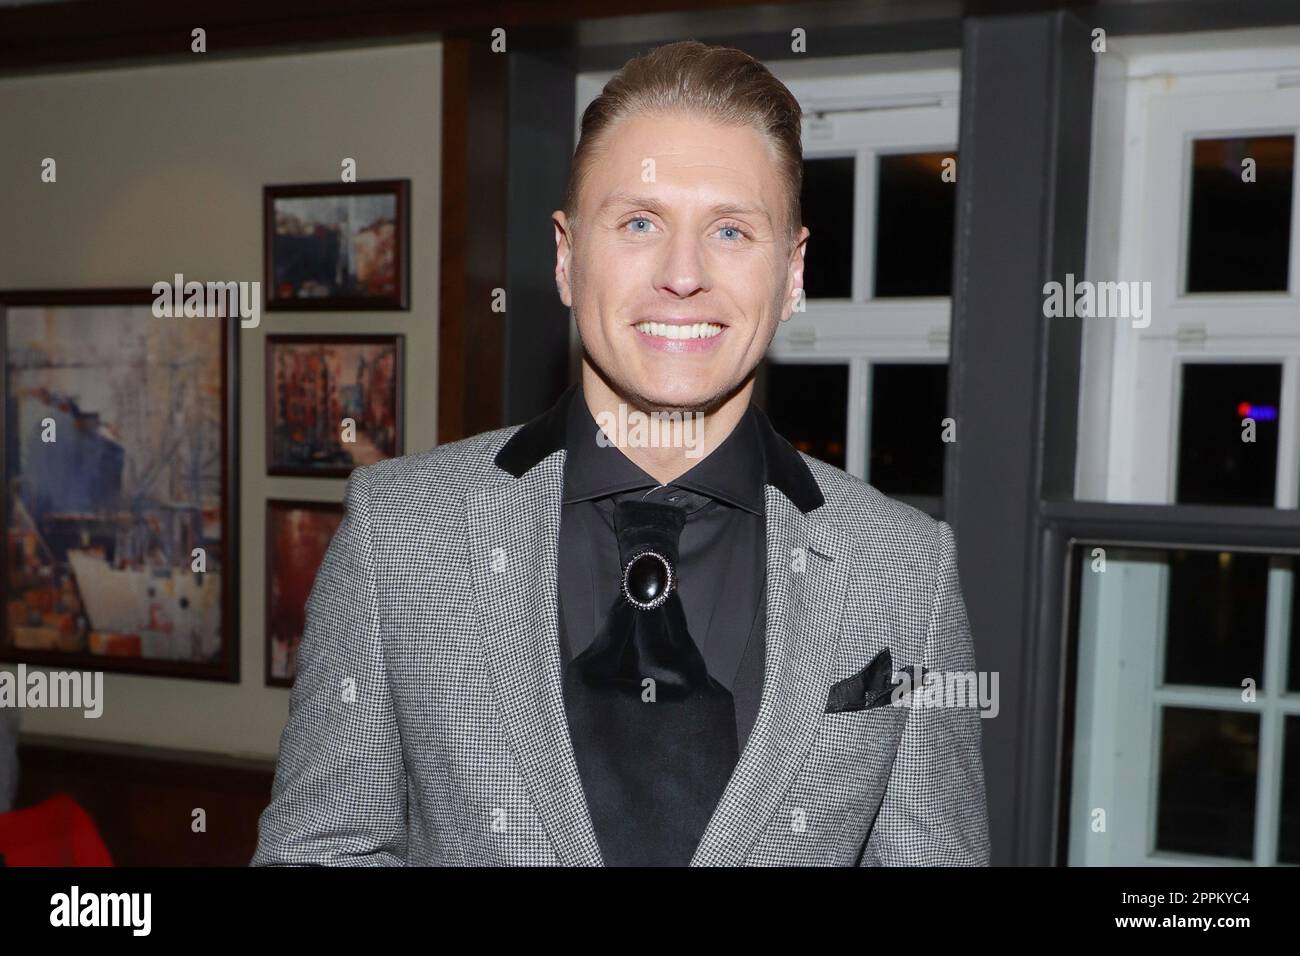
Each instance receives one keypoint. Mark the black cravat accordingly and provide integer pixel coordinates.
(654, 735)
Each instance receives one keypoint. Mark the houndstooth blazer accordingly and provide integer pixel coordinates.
(426, 721)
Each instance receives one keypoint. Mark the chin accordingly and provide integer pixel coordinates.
(667, 396)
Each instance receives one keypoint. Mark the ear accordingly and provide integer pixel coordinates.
(563, 256)
(794, 273)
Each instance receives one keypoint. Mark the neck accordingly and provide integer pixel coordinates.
(664, 446)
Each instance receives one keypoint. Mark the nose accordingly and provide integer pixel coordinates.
(683, 270)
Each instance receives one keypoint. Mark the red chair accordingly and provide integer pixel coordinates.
(54, 833)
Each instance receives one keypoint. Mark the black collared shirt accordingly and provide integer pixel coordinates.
(722, 554)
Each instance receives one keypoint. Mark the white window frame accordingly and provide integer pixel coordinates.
(866, 107)
(1154, 97)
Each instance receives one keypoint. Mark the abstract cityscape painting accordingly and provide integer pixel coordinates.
(119, 504)
(333, 402)
(337, 245)
(298, 533)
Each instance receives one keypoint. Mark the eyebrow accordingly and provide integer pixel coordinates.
(656, 206)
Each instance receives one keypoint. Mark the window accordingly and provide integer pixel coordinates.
(1197, 202)
(807, 403)
(1239, 224)
(1228, 433)
(905, 444)
(1186, 698)
(1185, 721)
(827, 202)
(916, 208)
(879, 199)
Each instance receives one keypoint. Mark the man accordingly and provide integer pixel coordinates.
(569, 643)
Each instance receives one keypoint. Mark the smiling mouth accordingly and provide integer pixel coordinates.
(695, 330)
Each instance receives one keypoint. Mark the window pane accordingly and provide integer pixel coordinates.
(809, 406)
(827, 201)
(1240, 233)
(1288, 837)
(907, 409)
(1216, 618)
(1215, 464)
(915, 212)
(1206, 803)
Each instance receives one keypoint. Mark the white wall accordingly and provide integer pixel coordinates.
(160, 170)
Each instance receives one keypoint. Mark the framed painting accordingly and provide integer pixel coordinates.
(333, 402)
(120, 464)
(297, 535)
(331, 246)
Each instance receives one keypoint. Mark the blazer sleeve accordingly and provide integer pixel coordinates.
(339, 795)
(934, 811)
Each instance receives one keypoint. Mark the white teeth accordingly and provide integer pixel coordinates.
(698, 330)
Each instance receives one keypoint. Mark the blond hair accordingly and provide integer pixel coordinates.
(725, 85)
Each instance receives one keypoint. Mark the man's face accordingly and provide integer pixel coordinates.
(679, 265)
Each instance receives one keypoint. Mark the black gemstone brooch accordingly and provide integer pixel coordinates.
(648, 579)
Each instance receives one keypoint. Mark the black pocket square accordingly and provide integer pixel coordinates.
(873, 686)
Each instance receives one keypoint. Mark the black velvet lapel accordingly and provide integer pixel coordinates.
(786, 470)
(542, 436)
(538, 438)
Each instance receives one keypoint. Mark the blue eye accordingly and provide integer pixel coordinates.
(734, 230)
(632, 222)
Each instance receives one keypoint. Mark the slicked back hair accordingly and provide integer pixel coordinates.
(722, 84)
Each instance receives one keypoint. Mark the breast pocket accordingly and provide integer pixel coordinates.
(861, 734)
